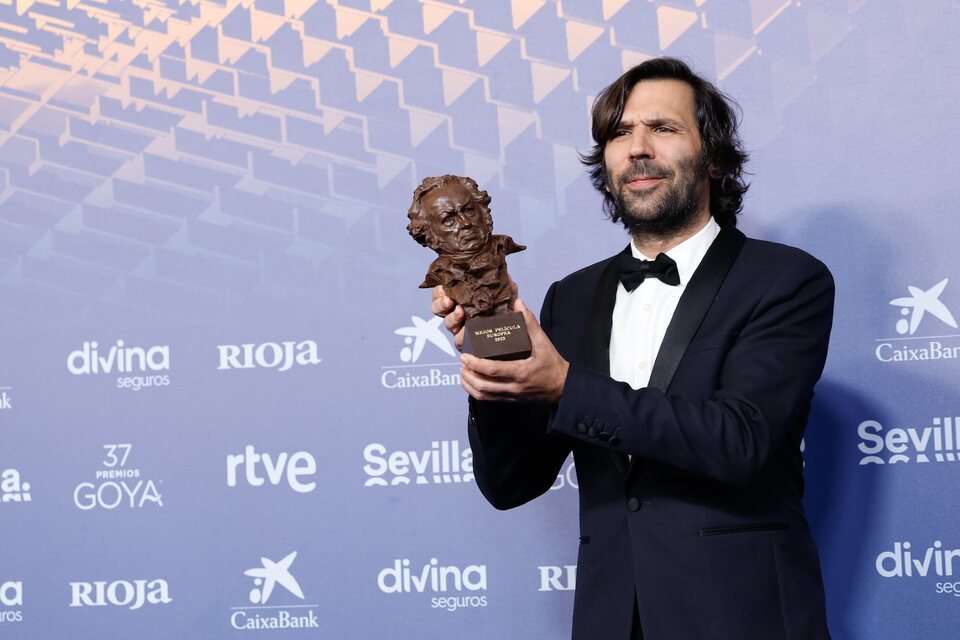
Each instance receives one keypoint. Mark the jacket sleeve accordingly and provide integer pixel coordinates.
(761, 393)
(514, 458)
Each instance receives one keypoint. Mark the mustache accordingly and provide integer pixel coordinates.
(645, 167)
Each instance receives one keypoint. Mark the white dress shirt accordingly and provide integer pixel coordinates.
(641, 317)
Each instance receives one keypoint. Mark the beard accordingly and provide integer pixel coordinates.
(665, 209)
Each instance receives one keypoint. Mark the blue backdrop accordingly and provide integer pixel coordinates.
(224, 405)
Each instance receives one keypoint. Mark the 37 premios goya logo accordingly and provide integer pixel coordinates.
(276, 600)
(132, 367)
(116, 484)
(422, 365)
(923, 329)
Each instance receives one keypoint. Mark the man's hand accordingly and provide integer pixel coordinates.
(539, 377)
(452, 314)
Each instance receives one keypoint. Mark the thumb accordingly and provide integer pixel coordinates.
(533, 327)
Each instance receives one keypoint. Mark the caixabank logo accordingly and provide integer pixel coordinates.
(936, 566)
(923, 331)
(117, 484)
(936, 441)
(444, 462)
(11, 603)
(6, 398)
(449, 587)
(133, 368)
(276, 601)
(427, 358)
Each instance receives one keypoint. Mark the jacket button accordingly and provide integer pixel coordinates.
(582, 428)
(592, 432)
(614, 440)
(633, 504)
(603, 435)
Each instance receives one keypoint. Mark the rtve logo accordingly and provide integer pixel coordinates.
(275, 469)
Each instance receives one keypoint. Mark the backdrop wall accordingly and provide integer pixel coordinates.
(224, 405)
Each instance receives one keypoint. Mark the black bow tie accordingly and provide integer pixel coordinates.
(633, 271)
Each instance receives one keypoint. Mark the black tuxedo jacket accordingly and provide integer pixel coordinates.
(704, 526)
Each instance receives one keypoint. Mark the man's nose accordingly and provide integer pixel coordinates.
(464, 218)
(640, 145)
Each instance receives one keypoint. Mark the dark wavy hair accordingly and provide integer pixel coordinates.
(717, 120)
(419, 226)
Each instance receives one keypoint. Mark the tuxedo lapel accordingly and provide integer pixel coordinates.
(600, 319)
(599, 326)
(694, 304)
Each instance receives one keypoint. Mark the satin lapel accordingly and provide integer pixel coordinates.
(694, 304)
(600, 319)
(599, 326)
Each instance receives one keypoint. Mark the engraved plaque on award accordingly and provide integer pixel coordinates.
(451, 215)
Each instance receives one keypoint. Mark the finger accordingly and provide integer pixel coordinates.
(537, 336)
(482, 388)
(491, 369)
(441, 304)
(453, 320)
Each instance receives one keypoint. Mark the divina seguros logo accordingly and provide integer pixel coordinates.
(281, 356)
(937, 442)
(905, 561)
(417, 337)
(117, 485)
(452, 587)
(258, 614)
(140, 367)
(911, 346)
(11, 601)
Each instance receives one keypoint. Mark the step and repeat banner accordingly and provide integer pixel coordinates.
(225, 409)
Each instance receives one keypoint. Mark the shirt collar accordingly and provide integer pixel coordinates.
(688, 253)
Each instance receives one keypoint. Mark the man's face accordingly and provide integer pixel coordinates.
(457, 224)
(656, 171)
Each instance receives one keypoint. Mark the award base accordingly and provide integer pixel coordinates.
(502, 337)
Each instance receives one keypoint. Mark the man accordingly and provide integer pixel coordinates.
(682, 386)
(451, 215)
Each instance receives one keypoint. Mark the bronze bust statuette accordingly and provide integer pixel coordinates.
(451, 215)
